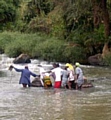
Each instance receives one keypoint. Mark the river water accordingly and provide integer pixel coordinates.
(17, 103)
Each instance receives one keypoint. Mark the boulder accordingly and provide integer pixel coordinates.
(95, 59)
(36, 83)
(23, 58)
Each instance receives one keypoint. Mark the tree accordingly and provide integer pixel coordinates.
(7, 13)
(101, 15)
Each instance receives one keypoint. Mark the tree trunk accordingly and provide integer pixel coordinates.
(105, 50)
(101, 13)
(106, 20)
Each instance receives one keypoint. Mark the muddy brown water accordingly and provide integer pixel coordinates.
(17, 103)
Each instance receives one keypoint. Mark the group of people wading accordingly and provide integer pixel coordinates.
(66, 77)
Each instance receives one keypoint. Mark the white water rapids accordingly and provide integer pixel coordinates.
(17, 103)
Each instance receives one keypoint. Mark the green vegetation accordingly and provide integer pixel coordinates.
(42, 47)
(55, 30)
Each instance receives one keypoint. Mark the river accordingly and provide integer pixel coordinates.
(17, 103)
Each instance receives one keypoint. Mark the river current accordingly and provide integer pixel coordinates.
(35, 103)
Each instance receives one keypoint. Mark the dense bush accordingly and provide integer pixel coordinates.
(5, 39)
(21, 43)
(74, 53)
(40, 47)
(51, 50)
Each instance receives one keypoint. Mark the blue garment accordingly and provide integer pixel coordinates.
(25, 76)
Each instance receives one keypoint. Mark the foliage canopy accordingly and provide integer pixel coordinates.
(83, 26)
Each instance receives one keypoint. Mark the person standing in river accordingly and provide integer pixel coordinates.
(79, 76)
(65, 76)
(25, 75)
(71, 79)
(56, 72)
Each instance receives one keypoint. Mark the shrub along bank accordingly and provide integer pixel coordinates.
(40, 47)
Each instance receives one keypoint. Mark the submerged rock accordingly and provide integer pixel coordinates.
(36, 83)
(87, 85)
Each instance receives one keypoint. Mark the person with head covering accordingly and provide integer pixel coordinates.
(25, 75)
(79, 76)
(71, 79)
(69, 66)
(44, 77)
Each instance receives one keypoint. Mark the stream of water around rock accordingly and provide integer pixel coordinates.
(35, 103)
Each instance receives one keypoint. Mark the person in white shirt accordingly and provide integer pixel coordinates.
(41, 73)
(71, 81)
(57, 73)
(71, 78)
